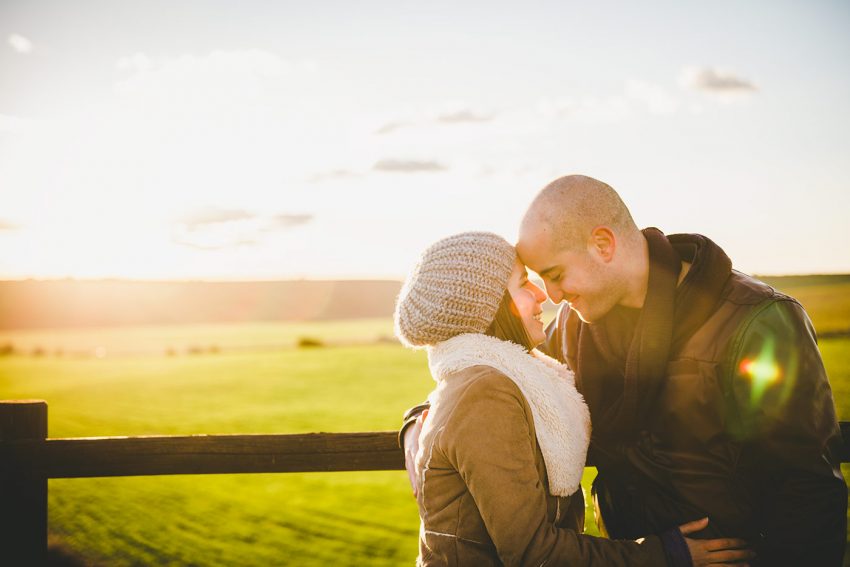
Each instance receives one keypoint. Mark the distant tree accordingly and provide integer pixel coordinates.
(309, 342)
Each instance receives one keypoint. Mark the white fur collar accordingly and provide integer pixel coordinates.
(561, 417)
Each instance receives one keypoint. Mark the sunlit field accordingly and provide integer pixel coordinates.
(306, 519)
(364, 518)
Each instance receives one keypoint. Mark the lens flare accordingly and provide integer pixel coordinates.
(763, 371)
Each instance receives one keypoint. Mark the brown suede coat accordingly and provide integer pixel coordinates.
(485, 498)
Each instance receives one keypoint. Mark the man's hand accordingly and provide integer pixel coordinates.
(411, 447)
(724, 551)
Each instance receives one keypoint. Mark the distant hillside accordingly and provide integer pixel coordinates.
(793, 282)
(35, 304)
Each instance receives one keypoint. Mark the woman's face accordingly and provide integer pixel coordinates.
(528, 299)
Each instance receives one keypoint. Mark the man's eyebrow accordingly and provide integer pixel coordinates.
(548, 271)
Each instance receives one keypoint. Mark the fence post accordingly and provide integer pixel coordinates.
(23, 492)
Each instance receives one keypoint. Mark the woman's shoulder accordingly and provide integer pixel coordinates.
(489, 407)
(488, 386)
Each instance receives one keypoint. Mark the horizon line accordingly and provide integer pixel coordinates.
(307, 279)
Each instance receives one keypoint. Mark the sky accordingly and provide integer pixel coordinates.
(277, 140)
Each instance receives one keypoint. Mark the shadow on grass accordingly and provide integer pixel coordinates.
(60, 555)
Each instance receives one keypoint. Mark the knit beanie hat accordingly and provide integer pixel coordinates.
(456, 287)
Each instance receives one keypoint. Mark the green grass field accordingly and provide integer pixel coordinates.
(364, 518)
(305, 519)
(826, 299)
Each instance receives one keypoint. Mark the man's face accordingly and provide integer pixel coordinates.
(578, 277)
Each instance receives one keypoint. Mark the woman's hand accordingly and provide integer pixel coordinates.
(723, 551)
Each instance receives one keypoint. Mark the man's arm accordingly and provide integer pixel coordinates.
(784, 415)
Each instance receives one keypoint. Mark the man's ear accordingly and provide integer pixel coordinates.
(603, 243)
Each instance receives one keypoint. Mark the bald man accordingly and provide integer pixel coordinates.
(707, 392)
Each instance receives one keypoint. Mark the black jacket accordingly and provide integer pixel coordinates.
(742, 429)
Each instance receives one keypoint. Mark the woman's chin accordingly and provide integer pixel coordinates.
(536, 334)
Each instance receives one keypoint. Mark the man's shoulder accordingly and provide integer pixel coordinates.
(764, 315)
(743, 289)
(749, 293)
(746, 305)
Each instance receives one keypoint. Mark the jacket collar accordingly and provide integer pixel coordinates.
(561, 418)
(621, 398)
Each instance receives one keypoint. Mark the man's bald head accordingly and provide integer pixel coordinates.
(581, 239)
(569, 208)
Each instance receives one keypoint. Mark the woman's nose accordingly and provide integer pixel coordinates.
(539, 294)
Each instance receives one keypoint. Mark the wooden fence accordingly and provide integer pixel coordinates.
(28, 458)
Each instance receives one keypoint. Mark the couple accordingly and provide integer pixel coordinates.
(714, 428)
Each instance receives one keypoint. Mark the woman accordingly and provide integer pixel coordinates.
(503, 448)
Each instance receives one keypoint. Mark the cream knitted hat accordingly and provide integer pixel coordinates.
(455, 288)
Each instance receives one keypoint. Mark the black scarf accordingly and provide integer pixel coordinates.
(620, 397)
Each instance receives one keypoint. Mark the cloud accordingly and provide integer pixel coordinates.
(464, 116)
(197, 245)
(392, 127)
(614, 108)
(214, 216)
(288, 220)
(452, 115)
(715, 81)
(19, 43)
(407, 166)
(218, 229)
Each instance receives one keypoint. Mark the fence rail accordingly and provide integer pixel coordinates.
(203, 454)
(28, 458)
